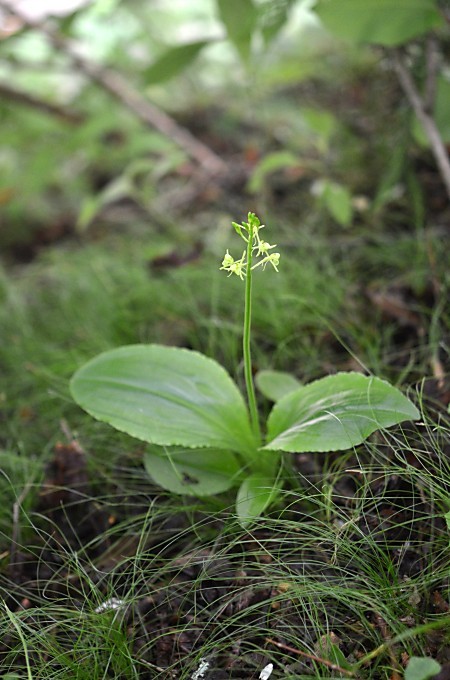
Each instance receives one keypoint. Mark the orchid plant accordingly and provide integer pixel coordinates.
(204, 437)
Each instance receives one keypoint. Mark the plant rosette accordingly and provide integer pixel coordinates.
(204, 437)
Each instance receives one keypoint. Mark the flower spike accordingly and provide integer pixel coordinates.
(250, 231)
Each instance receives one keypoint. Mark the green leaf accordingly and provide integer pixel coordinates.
(202, 472)
(274, 15)
(276, 384)
(173, 61)
(336, 413)
(239, 18)
(383, 22)
(330, 650)
(339, 202)
(337, 199)
(277, 160)
(447, 519)
(323, 123)
(393, 170)
(118, 188)
(255, 494)
(165, 395)
(421, 668)
(440, 114)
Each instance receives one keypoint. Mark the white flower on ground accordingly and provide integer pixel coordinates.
(111, 604)
(201, 670)
(266, 672)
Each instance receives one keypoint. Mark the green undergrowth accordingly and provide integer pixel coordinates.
(357, 539)
(356, 553)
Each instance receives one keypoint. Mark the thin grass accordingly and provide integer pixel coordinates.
(317, 564)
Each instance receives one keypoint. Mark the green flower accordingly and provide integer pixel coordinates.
(273, 258)
(249, 232)
(238, 267)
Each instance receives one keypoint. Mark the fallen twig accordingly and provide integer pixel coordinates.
(21, 97)
(311, 657)
(420, 107)
(432, 66)
(117, 86)
(382, 626)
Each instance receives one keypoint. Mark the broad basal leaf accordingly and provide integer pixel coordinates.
(383, 22)
(421, 668)
(254, 496)
(336, 412)
(165, 395)
(276, 384)
(195, 472)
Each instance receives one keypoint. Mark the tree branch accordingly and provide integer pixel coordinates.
(117, 86)
(430, 128)
(21, 97)
(432, 67)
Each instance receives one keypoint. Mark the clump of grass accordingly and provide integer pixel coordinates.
(353, 553)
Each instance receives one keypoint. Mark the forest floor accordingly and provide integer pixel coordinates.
(104, 575)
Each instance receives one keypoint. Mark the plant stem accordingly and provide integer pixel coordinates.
(246, 340)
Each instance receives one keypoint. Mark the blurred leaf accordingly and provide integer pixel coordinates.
(337, 199)
(339, 202)
(440, 114)
(173, 62)
(383, 22)
(239, 18)
(104, 7)
(421, 668)
(198, 472)
(392, 174)
(6, 195)
(447, 515)
(119, 188)
(278, 160)
(274, 16)
(276, 384)
(322, 123)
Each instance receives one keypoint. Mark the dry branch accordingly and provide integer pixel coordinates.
(419, 107)
(21, 97)
(432, 67)
(117, 86)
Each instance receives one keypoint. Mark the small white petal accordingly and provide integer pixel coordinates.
(266, 672)
(201, 670)
(112, 603)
